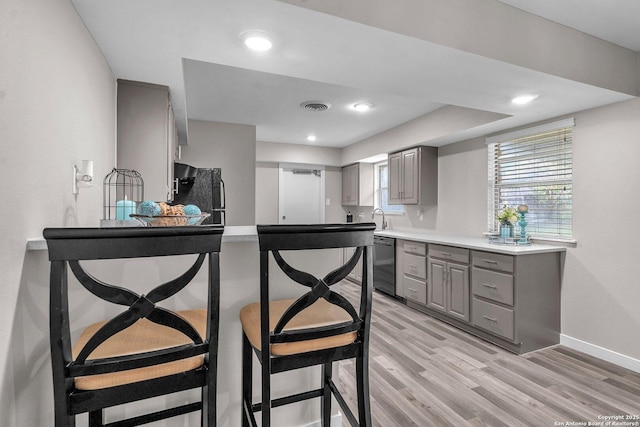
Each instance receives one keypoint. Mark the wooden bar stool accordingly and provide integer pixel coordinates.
(146, 350)
(319, 328)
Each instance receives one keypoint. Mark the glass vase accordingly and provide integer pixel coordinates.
(506, 231)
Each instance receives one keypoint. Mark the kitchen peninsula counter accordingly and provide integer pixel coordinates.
(232, 234)
(239, 285)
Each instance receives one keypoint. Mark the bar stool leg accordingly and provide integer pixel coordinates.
(208, 413)
(327, 370)
(95, 418)
(362, 379)
(247, 386)
(266, 397)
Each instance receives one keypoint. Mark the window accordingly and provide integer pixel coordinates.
(382, 189)
(534, 167)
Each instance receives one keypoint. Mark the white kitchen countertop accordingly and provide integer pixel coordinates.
(248, 233)
(468, 242)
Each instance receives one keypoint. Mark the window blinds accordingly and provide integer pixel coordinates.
(536, 170)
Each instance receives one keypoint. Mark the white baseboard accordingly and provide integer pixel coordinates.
(336, 421)
(601, 353)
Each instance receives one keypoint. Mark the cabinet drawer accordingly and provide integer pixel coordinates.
(493, 261)
(493, 318)
(415, 248)
(415, 265)
(449, 253)
(415, 289)
(492, 285)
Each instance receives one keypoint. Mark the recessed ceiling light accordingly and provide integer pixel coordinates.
(257, 40)
(363, 106)
(311, 138)
(523, 99)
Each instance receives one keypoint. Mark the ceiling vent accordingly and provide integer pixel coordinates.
(315, 106)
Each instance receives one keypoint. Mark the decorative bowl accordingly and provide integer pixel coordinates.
(171, 220)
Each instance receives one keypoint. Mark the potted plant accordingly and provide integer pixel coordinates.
(507, 217)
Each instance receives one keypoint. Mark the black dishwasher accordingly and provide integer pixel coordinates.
(384, 265)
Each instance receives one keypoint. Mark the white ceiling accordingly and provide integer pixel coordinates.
(193, 47)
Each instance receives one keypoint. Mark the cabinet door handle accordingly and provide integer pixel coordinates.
(491, 319)
(486, 285)
(490, 261)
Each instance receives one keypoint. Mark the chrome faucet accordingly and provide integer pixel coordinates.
(384, 222)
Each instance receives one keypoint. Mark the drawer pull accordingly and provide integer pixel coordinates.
(486, 285)
(413, 266)
(490, 261)
(412, 290)
(444, 254)
(491, 319)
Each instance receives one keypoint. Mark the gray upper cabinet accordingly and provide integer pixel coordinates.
(356, 274)
(357, 185)
(413, 176)
(147, 136)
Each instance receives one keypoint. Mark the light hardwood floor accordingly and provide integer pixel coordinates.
(424, 372)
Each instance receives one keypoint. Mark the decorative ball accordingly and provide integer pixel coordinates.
(149, 208)
(192, 210)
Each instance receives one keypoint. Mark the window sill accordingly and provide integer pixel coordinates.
(554, 241)
(392, 213)
(567, 243)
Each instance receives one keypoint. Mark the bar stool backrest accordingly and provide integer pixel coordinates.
(68, 247)
(276, 238)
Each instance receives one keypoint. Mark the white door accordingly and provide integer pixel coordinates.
(301, 195)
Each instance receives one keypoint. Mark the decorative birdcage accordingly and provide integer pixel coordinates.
(123, 192)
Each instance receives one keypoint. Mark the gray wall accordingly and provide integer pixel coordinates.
(268, 157)
(57, 107)
(600, 289)
(233, 148)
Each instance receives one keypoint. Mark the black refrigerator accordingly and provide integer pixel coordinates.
(202, 187)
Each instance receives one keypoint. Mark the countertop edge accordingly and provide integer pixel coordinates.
(475, 243)
(249, 234)
(232, 234)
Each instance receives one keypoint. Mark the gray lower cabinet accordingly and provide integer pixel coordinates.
(448, 278)
(414, 271)
(356, 274)
(510, 300)
(517, 298)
